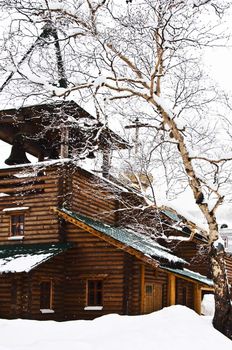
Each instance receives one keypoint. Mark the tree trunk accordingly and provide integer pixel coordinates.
(222, 320)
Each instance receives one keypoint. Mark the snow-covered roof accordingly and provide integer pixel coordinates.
(24, 258)
(171, 214)
(135, 240)
(178, 210)
(181, 222)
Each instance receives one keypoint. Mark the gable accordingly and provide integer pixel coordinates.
(141, 246)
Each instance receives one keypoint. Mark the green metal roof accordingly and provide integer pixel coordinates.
(191, 274)
(138, 241)
(171, 215)
(24, 258)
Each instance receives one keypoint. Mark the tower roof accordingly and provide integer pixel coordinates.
(42, 125)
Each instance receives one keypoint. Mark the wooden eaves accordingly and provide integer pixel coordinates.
(192, 280)
(110, 240)
(40, 124)
(130, 250)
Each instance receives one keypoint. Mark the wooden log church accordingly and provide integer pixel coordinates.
(67, 250)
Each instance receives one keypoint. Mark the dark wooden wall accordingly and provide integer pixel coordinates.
(53, 270)
(184, 293)
(58, 186)
(229, 266)
(39, 193)
(193, 253)
(92, 256)
(92, 197)
(20, 293)
(5, 296)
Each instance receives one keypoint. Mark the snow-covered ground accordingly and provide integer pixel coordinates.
(173, 328)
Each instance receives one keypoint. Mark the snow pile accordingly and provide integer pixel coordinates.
(176, 327)
(208, 305)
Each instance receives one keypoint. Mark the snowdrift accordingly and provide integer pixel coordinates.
(175, 327)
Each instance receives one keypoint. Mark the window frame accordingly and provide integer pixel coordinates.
(19, 231)
(94, 305)
(48, 309)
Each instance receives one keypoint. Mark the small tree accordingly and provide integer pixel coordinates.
(144, 58)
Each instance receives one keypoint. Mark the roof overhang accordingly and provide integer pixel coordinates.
(139, 245)
(142, 247)
(190, 275)
(41, 127)
(24, 258)
(184, 226)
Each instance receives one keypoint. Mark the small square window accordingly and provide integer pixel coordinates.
(94, 292)
(149, 289)
(17, 225)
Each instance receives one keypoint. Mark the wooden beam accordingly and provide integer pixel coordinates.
(25, 179)
(142, 286)
(189, 279)
(197, 298)
(172, 289)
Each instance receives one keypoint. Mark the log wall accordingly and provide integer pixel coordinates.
(193, 253)
(56, 186)
(229, 267)
(53, 271)
(39, 193)
(5, 297)
(198, 258)
(92, 258)
(184, 293)
(20, 293)
(138, 282)
(93, 198)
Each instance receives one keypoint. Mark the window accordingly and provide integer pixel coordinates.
(184, 296)
(149, 289)
(94, 292)
(46, 295)
(225, 239)
(17, 225)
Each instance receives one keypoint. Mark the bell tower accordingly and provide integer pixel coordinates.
(18, 153)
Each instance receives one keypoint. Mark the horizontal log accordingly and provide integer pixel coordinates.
(25, 188)
(29, 200)
(22, 180)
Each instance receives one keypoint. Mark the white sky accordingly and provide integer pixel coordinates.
(219, 64)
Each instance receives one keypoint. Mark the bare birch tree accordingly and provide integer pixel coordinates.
(142, 56)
